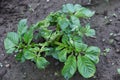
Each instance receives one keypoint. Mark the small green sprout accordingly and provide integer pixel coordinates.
(118, 70)
(107, 50)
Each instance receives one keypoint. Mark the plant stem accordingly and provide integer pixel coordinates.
(41, 50)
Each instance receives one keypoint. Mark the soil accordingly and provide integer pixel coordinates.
(106, 22)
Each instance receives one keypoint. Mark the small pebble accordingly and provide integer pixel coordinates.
(111, 34)
(7, 65)
(113, 63)
(15, 55)
(1, 65)
(114, 15)
(111, 41)
(94, 77)
(110, 20)
(2, 54)
(56, 74)
(24, 76)
(24, 73)
(115, 35)
(48, 0)
(103, 40)
(6, 62)
(117, 50)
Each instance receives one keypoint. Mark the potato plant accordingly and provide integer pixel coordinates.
(59, 35)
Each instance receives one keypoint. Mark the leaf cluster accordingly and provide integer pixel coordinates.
(62, 35)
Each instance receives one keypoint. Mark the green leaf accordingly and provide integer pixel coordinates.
(85, 67)
(35, 49)
(75, 20)
(77, 7)
(45, 33)
(65, 39)
(79, 47)
(92, 57)
(90, 32)
(93, 50)
(84, 13)
(59, 47)
(28, 36)
(42, 24)
(41, 62)
(77, 39)
(93, 53)
(55, 36)
(52, 18)
(82, 31)
(62, 55)
(22, 27)
(12, 36)
(11, 41)
(68, 8)
(11, 50)
(53, 52)
(45, 49)
(29, 55)
(20, 57)
(75, 23)
(87, 31)
(69, 68)
(63, 22)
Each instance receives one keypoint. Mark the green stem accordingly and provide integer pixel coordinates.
(41, 50)
(58, 43)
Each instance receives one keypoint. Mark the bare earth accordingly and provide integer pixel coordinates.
(107, 36)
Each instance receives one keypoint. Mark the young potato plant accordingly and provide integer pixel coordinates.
(62, 38)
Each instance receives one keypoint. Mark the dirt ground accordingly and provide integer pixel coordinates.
(106, 22)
